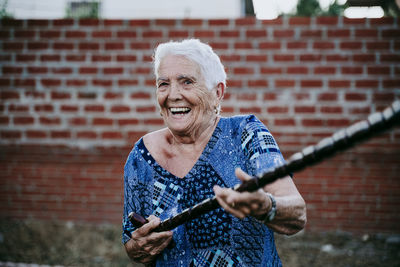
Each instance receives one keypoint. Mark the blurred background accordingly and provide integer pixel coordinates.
(77, 91)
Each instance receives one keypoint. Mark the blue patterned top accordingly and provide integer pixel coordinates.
(216, 238)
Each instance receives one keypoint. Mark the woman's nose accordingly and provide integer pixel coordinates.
(175, 91)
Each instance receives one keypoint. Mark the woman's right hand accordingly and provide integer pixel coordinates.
(145, 245)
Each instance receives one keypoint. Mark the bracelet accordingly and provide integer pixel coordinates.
(272, 212)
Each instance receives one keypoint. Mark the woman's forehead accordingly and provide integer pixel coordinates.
(177, 66)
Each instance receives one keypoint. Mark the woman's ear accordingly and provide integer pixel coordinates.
(220, 91)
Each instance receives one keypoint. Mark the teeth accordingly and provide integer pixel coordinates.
(179, 110)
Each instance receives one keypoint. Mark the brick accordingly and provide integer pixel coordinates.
(339, 33)
(49, 121)
(338, 58)
(390, 33)
(63, 22)
(381, 70)
(12, 22)
(10, 134)
(351, 70)
(143, 109)
(331, 110)
(87, 95)
(139, 22)
(37, 46)
(299, 21)
(152, 34)
(271, 70)
(23, 120)
(103, 58)
(270, 45)
(245, 21)
(364, 57)
(324, 45)
(77, 121)
(126, 34)
(113, 70)
(140, 95)
(86, 134)
(366, 33)
(250, 110)
(38, 22)
(105, 83)
(339, 83)
(256, 58)
(50, 82)
(69, 108)
(337, 122)
(204, 34)
(88, 46)
(37, 70)
(312, 122)
(311, 83)
(192, 22)
(243, 45)
(256, 33)
(36, 134)
(284, 83)
(391, 83)
(390, 58)
(63, 46)
(114, 46)
(243, 70)
(284, 122)
(296, 45)
(351, 45)
(120, 109)
(324, 70)
(377, 45)
(218, 22)
(277, 110)
(13, 46)
(229, 34)
(94, 108)
(89, 22)
(25, 34)
(178, 34)
(153, 121)
(284, 58)
(304, 109)
(75, 58)
(50, 58)
(60, 95)
(387, 97)
(140, 45)
(111, 135)
(102, 34)
(44, 108)
(12, 70)
(112, 95)
(102, 121)
(297, 70)
(355, 97)
(60, 134)
(61, 70)
(283, 33)
(327, 20)
(369, 83)
(219, 45)
(258, 83)
(277, 21)
(127, 122)
(127, 82)
(310, 57)
(305, 33)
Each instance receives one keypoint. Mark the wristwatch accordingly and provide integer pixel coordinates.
(272, 212)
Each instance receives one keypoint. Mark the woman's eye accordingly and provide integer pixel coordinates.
(162, 84)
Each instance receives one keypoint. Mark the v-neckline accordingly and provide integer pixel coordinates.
(204, 154)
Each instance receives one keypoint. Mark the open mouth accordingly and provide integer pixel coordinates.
(179, 111)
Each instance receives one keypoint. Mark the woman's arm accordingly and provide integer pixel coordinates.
(145, 245)
(290, 214)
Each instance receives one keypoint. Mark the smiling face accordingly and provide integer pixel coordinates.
(186, 105)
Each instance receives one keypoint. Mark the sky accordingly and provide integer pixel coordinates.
(125, 9)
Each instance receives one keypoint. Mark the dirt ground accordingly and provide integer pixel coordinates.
(69, 244)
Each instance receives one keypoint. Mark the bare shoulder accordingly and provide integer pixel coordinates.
(156, 140)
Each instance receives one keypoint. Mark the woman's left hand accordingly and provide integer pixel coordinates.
(243, 204)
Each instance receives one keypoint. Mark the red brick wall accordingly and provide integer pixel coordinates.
(76, 94)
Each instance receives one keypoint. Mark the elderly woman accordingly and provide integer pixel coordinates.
(197, 155)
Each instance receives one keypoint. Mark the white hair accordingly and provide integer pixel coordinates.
(198, 52)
